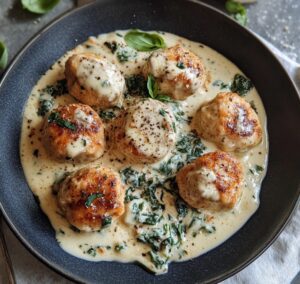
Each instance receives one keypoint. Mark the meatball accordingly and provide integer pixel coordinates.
(230, 122)
(213, 181)
(94, 81)
(179, 72)
(75, 132)
(91, 197)
(145, 132)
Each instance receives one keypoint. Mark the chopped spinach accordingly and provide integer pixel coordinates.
(106, 221)
(190, 145)
(58, 89)
(132, 177)
(241, 85)
(44, 106)
(111, 45)
(181, 207)
(136, 85)
(157, 260)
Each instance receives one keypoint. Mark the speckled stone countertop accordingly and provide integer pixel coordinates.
(278, 21)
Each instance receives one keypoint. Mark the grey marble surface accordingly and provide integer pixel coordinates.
(278, 21)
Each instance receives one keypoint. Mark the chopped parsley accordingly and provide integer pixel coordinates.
(180, 65)
(91, 198)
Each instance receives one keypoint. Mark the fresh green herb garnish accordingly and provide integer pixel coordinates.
(44, 107)
(106, 221)
(152, 86)
(153, 90)
(142, 41)
(56, 118)
(39, 6)
(162, 112)
(241, 85)
(91, 198)
(111, 45)
(3, 55)
(180, 65)
(237, 11)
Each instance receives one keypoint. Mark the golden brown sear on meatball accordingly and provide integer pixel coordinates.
(230, 122)
(145, 131)
(74, 131)
(94, 81)
(213, 181)
(91, 197)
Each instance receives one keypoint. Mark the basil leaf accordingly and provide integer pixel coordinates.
(91, 198)
(237, 10)
(55, 117)
(39, 6)
(142, 41)
(164, 98)
(152, 87)
(234, 7)
(3, 55)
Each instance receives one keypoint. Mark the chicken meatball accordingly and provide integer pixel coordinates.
(75, 132)
(91, 197)
(213, 181)
(145, 132)
(179, 72)
(94, 81)
(230, 122)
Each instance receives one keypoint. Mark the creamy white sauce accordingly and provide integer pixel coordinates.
(42, 171)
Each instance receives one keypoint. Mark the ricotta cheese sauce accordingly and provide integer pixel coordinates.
(157, 226)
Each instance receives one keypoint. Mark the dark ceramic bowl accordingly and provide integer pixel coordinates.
(197, 22)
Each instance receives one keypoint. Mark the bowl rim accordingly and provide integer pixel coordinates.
(222, 276)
